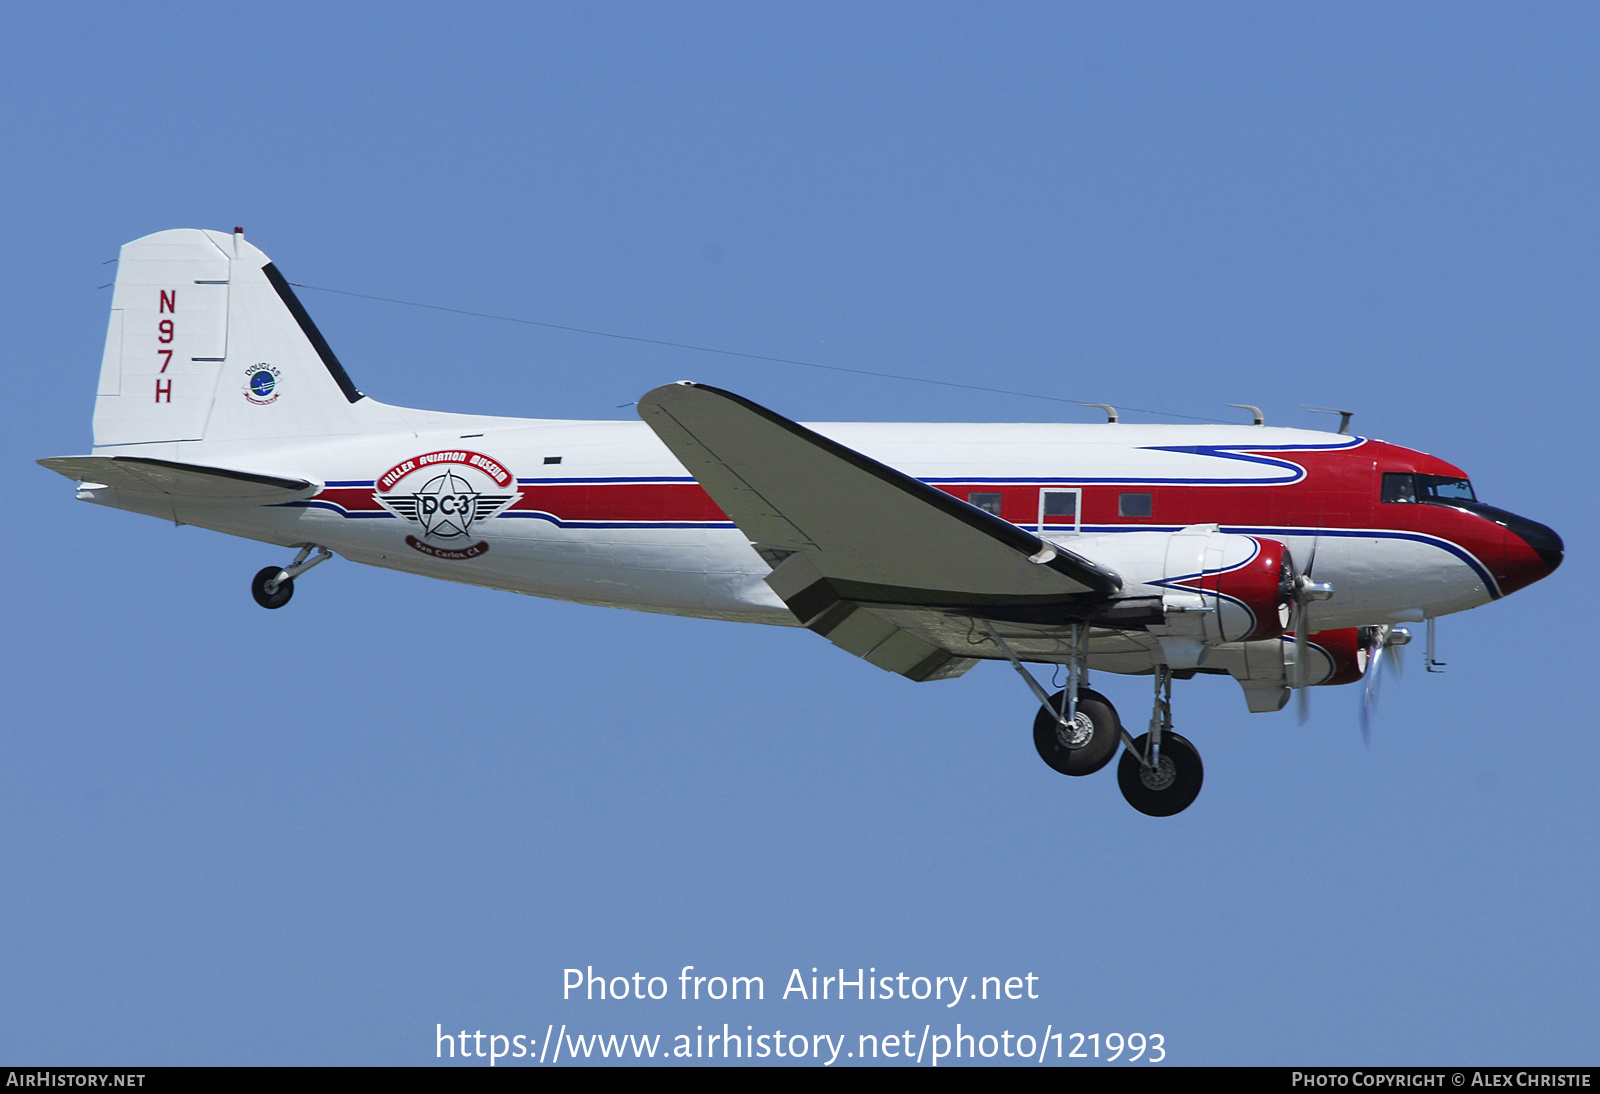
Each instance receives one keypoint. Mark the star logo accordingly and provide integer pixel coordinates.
(445, 505)
(450, 499)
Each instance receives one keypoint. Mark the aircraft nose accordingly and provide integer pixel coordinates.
(1533, 551)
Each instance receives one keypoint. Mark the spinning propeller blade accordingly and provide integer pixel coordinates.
(1303, 592)
(1369, 690)
(1383, 649)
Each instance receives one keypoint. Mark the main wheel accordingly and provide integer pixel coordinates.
(1085, 746)
(279, 596)
(1172, 787)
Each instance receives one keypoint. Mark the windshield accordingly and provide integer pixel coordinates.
(1441, 488)
(1436, 489)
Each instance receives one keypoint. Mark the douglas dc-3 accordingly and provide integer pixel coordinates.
(1284, 558)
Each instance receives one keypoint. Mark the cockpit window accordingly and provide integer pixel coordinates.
(1435, 489)
(1441, 488)
(1399, 487)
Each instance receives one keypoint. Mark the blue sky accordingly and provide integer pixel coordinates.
(309, 836)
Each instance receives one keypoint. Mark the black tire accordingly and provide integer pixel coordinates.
(1182, 778)
(1105, 733)
(279, 596)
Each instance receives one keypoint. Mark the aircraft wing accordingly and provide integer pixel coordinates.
(883, 565)
(184, 482)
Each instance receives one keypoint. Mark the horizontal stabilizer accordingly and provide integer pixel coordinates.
(180, 481)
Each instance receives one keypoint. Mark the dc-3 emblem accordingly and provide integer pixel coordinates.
(261, 383)
(447, 493)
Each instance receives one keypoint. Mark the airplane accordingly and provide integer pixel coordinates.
(1284, 558)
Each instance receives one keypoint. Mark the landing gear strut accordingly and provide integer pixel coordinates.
(1160, 773)
(273, 586)
(1167, 787)
(1077, 732)
(1085, 743)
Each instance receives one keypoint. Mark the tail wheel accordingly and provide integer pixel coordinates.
(1168, 788)
(1086, 745)
(279, 596)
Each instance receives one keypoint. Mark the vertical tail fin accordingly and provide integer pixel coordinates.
(207, 341)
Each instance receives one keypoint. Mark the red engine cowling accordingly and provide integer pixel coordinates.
(1262, 586)
(1246, 580)
(1345, 651)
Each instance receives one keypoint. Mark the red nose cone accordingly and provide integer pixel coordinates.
(1533, 551)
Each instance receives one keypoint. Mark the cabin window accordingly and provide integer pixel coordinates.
(552, 459)
(989, 503)
(1058, 511)
(1133, 505)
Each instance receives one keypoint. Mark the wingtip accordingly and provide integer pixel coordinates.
(655, 394)
(61, 465)
(680, 392)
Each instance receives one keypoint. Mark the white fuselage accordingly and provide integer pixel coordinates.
(614, 523)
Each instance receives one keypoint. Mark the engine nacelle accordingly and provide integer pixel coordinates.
(1265, 669)
(1244, 580)
(1345, 653)
(1197, 588)
(1332, 657)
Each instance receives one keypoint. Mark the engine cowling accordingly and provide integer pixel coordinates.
(1346, 651)
(1198, 587)
(1236, 588)
(1265, 669)
(1248, 581)
(1332, 657)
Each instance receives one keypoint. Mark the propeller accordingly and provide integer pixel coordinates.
(1380, 641)
(1303, 592)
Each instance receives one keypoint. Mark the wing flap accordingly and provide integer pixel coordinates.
(183, 482)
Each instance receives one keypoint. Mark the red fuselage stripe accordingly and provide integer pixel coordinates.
(1340, 490)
